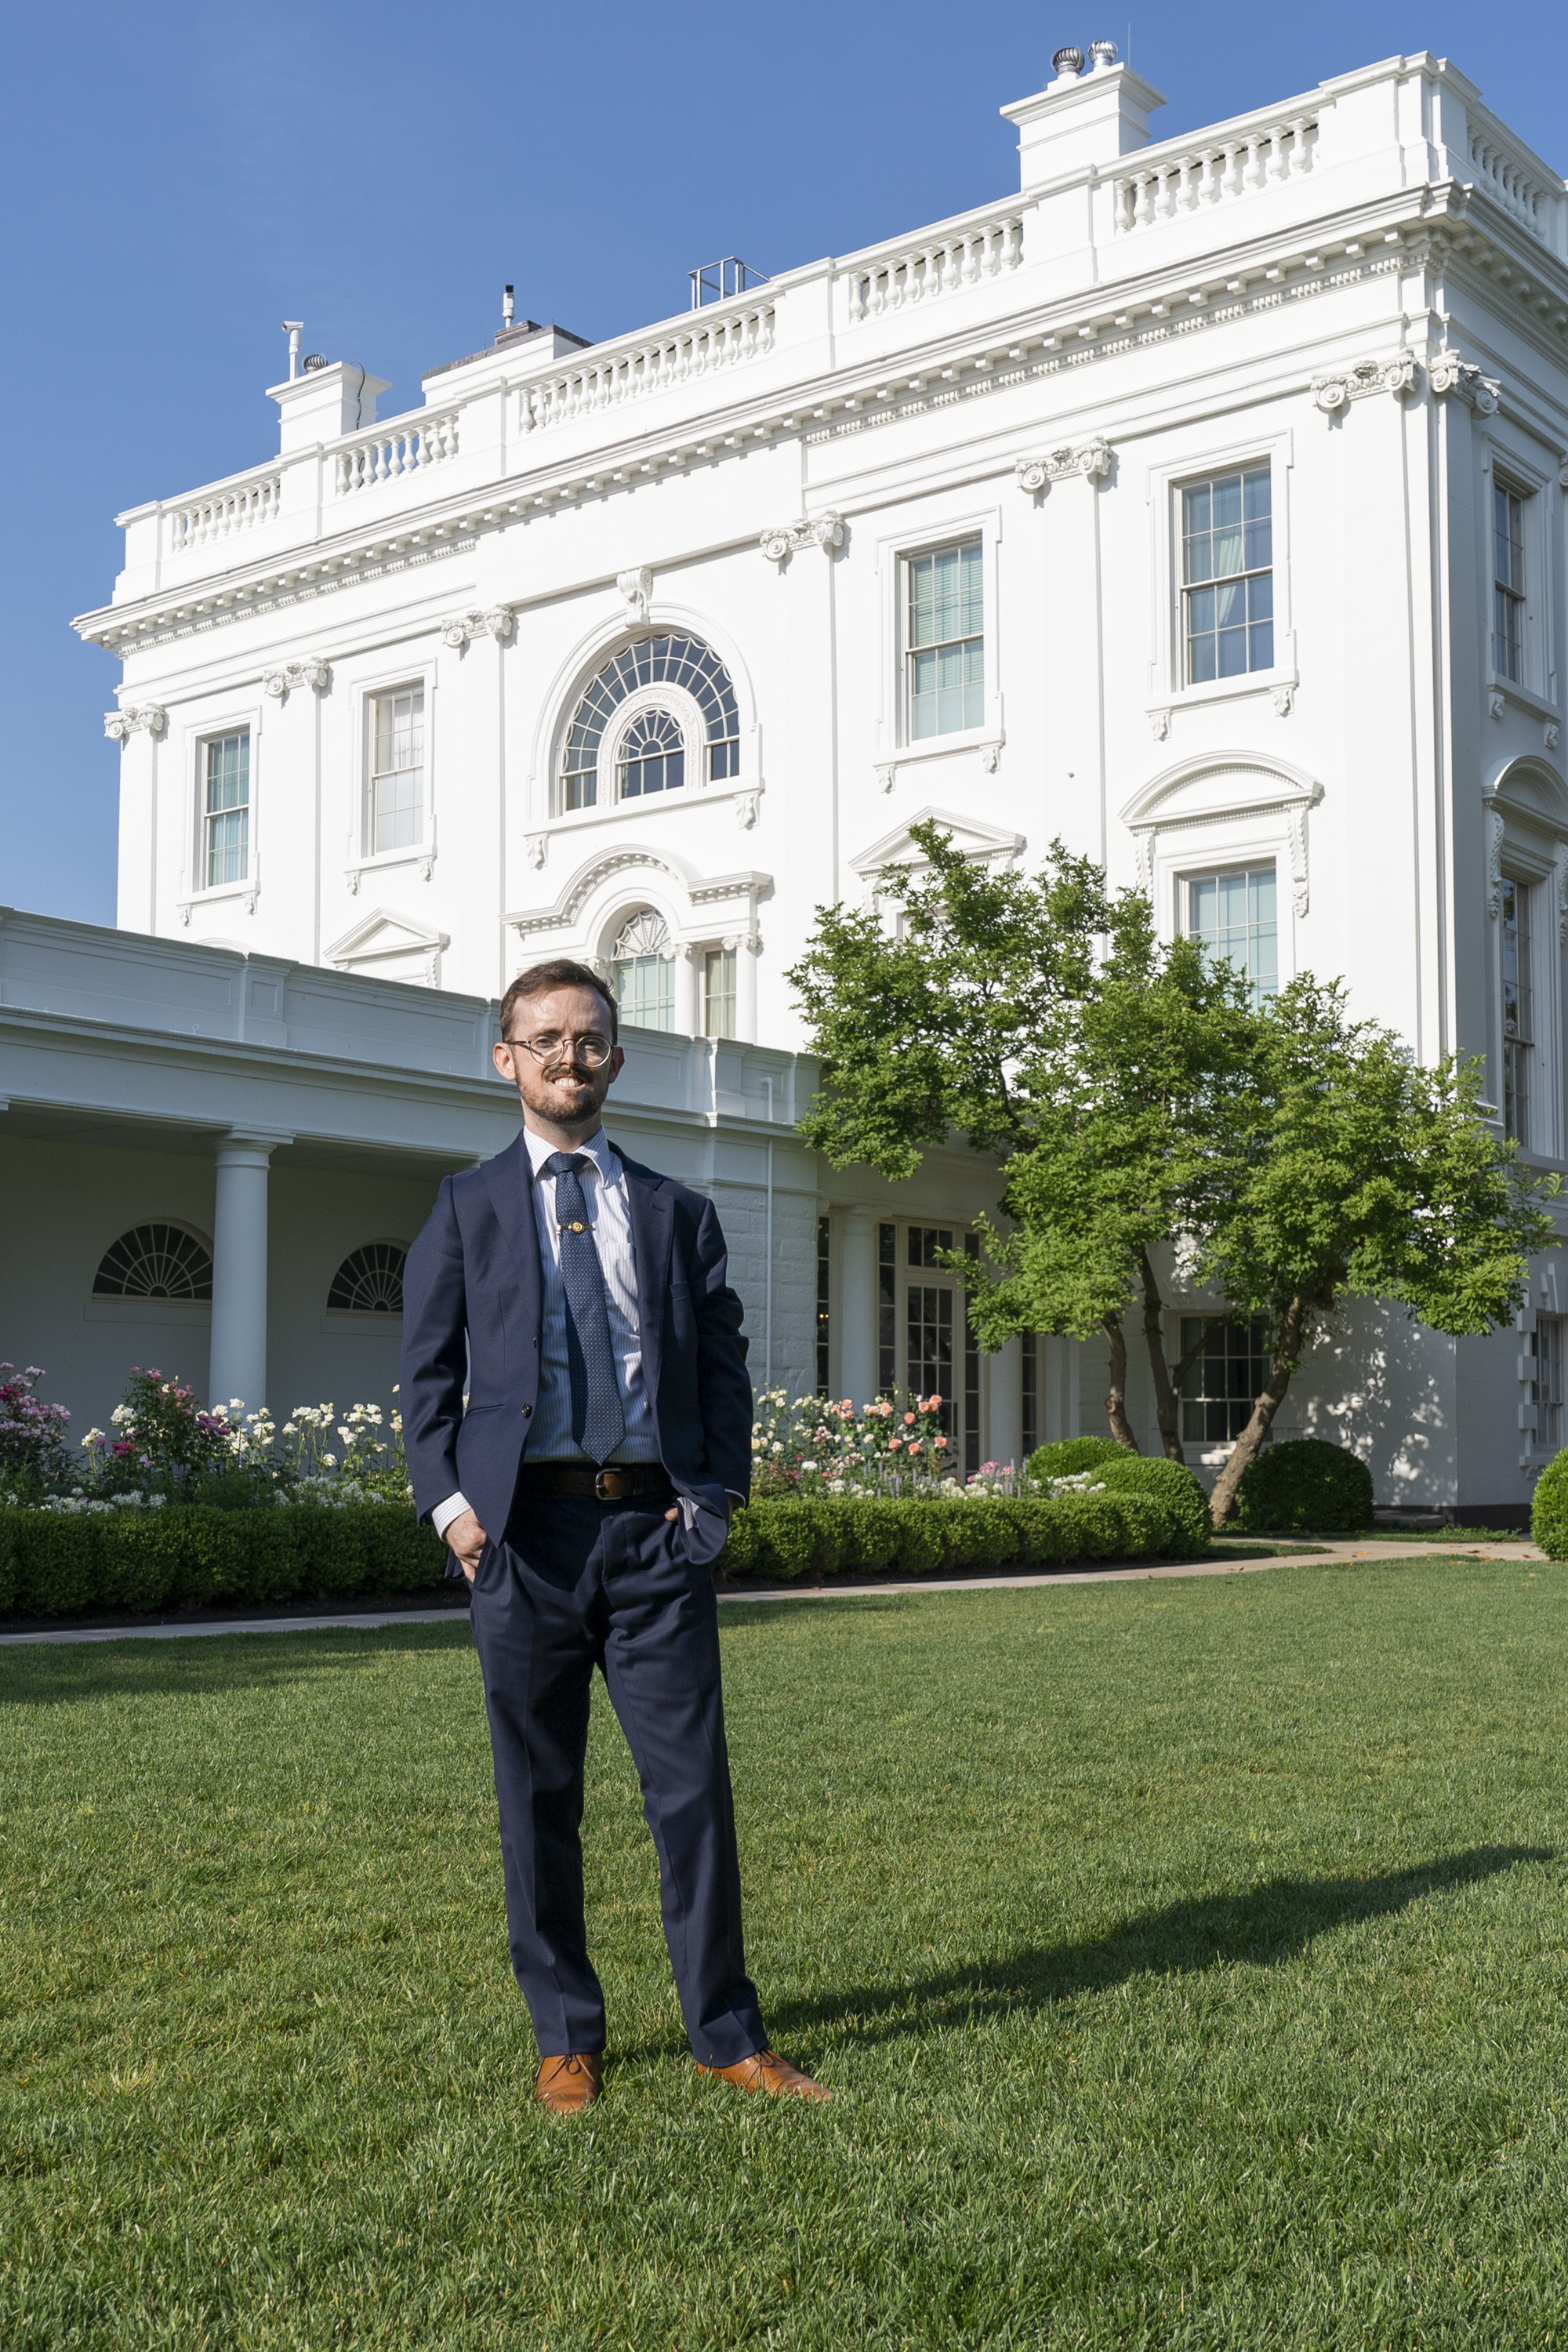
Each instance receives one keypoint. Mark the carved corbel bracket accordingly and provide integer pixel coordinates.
(1158, 725)
(145, 717)
(460, 629)
(318, 675)
(536, 849)
(748, 808)
(1450, 374)
(1284, 700)
(1090, 459)
(787, 539)
(1333, 394)
(637, 587)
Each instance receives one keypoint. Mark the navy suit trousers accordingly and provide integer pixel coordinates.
(575, 1584)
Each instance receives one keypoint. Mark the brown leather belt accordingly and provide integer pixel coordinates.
(622, 1482)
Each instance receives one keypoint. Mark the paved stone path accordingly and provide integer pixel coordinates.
(1369, 1548)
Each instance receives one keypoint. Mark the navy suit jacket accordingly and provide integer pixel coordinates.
(474, 1273)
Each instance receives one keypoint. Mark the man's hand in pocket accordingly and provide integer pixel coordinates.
(466, 1539)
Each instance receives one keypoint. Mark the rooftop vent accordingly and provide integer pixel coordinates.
(1067, 64)
(313, 360)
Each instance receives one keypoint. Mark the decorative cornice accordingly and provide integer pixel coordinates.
(979, 365)
(787, 539)
(1362, 378)
(637, 587)
(1450, 374)
(316, 674)
(1092, 460)
(460, 629)
(150, 718)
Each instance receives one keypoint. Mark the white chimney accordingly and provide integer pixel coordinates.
(1081, 118)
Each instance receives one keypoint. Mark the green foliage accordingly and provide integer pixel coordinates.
(1070, 1455)
(1549, 1511)
(1173, 1486)
(188, 1555)
(908, 1537)
(1305, 1484)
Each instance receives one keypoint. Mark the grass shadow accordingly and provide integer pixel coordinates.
(46, 1673)
(1263, 1927)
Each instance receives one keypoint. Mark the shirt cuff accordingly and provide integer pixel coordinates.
(442, 1516)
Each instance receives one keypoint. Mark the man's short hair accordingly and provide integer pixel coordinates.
(539, 979)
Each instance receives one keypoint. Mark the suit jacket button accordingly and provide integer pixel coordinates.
(526, 1411)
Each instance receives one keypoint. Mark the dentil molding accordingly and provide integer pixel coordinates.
(1333, 394)
(637, 587)
(787, 539)
(315, 674)
(150, 718)
(460, 629)
(1092, 460)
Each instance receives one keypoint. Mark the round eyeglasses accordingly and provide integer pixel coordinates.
(591, 1050)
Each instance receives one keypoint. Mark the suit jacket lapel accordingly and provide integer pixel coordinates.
(509, 1179)
(652, 1233)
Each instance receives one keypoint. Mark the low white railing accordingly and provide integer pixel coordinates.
(705, 347)
(1509, 184)
(1233, 165)
(410, 446)
(218, 514)
(934, 265)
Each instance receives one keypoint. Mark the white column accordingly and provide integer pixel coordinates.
(746, 946)
(1003, 1435)
(688, 977)
(857, 1304)
(238, 1364)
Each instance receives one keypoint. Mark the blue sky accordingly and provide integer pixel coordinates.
(178, 178)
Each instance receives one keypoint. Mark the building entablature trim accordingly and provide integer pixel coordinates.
(712, 890)
(460, 629)
(968, 835)
(1091, 459)
(1362, 378)
(1212, 291)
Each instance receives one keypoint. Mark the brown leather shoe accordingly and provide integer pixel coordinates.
(567, 2086)
(764, 2070)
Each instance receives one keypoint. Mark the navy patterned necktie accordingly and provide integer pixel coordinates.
(598, 1420)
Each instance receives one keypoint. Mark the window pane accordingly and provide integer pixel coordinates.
(397, 771)
(1227, 535)
(1234, 916)
(718, 993)
(946, 647)
(227, 809)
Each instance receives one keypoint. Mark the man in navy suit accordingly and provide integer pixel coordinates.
(583, 1488)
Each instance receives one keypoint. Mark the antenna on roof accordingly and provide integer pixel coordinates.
(293, 329)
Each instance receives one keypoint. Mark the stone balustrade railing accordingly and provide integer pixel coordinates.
(1235, 164)
(408, 445)
(221, 513)
(937, 264)
(1507, 180)
(606, 380)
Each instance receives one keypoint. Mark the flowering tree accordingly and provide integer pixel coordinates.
(32, 1456)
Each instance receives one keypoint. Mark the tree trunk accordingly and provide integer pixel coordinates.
(1116, 1399)
(1166, 1408)
(1250, 1444)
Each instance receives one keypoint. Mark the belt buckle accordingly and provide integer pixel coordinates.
(610, 1486)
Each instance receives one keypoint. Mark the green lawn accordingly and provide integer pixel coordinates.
(1188, 1959)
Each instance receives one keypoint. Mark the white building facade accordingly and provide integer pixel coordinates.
(1201, 505)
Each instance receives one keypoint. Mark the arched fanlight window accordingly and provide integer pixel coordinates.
(643, 969)
(658, 764)
(156, 1261)
(370, 1280)
(652, 757)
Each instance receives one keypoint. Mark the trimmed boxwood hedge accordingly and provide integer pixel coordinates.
(1549, 1511)
(1071, 1456)
(1304, 1485)
(885, 1536)
(52, 1563)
